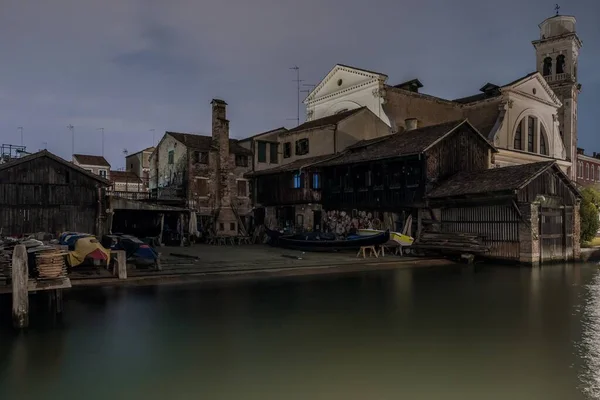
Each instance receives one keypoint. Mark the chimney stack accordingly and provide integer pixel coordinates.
(410, 124)
(580, 151)
(220, 136)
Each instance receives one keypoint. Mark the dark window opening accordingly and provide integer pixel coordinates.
(232, 226)
(221, 226)
(287, 150)
(241, 160)
(530, 133)
(560, 64)
(200, 157)
(273, 156)
(543, 147)
(301, 147)
(171, 156)
(262, 152)
(547, 66)
(518, 138)
(131, 165)
(242, 188)
(202, 185)
(413, 176)
(297, 182)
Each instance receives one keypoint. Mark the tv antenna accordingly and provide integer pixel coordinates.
(102, 130)
(20, 129)
(72, 129)
(297, 80)
(125, 152)
(556, 8)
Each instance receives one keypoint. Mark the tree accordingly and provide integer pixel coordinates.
(589, 214)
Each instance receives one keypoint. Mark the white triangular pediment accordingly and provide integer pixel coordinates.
(340, 79)
(535, 87)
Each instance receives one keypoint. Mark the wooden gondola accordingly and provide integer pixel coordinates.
(310, 243)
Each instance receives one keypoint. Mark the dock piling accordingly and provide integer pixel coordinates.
(20, 293)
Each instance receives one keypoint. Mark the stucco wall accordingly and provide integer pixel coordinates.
(364, 125)
(162, 173)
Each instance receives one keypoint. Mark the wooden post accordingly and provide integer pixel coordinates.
(162, 226)
(121, 264)
(20, 294)
(181, 230)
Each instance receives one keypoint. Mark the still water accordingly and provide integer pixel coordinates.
(439, 333)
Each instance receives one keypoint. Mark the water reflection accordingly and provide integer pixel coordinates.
(589, 346)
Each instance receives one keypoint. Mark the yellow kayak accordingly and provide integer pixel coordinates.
(404, 240)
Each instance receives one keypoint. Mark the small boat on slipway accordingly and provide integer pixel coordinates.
(314, 241)
(403, 240)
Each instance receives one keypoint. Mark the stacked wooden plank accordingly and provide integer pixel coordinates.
(50, 263)
(451, 242)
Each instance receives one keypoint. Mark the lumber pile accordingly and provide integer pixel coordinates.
(50, 263)
(451, 242)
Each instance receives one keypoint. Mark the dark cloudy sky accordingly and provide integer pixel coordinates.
(129, 66)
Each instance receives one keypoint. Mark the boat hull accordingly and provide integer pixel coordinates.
(403, 240)
(293, 242)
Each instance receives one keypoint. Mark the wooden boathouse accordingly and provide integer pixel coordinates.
(42, 192)
(525, 213)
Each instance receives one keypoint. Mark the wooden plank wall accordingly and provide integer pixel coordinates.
(498, 226)
(43, 195)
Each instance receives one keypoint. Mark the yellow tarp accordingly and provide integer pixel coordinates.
(87, 246)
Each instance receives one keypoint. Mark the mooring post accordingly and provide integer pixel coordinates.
(20, 294)
(162, 226)
(121, 264)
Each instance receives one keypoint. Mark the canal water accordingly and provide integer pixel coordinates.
(427, 333)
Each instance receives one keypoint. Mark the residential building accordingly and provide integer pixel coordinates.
(588, 169)
(126, 181)
(205, 174)
(94, 164)
(531, 119)
(139, 164)
(42, 192)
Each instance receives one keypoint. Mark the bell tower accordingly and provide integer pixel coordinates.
(557, 52)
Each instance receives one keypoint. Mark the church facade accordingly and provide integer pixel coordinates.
(531, 119)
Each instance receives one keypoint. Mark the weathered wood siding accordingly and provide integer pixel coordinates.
(278, 189)
(497, 225)
(551, 186)
(463, 150)
(43, 195)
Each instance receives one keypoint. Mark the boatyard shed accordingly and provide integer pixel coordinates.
(42, 192)
(526, 213)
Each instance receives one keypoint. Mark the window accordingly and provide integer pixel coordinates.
(580, 169)
(301, 147)
(543, 147)
(241, 160)
(530, 133)
(273, 156)
(221, 226)
(547, 70)
(202, 187)
(102, 173)
(200, 157)
(560, 64)
(287, 150)
(131, 165)
(242, 188)
(262, 152)
(518, 138)
(297, 181)
(171, 157)
(232, 226)
(316, 180)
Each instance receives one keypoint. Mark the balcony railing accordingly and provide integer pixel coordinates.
(559, 77)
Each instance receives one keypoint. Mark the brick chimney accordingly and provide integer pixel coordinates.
(220, 136)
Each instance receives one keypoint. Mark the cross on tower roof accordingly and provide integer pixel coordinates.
(556, 8)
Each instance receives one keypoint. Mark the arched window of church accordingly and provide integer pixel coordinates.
(530, 133)
(543, 147)
(518, 145)
(547, 66)
(560, 64)
(587, 171)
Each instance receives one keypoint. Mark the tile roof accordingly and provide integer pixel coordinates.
(329, 120)
(491, 93)
(205, 143)
(88, 159)
(294, 165)
(46, 153)
(124, 176)
(395, 145)
(147, 149)
(264, 133)
(491, 180)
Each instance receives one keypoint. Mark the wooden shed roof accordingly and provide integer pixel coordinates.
(496, 180)
(46, 153)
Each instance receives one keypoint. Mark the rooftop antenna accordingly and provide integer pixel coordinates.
(45, 145)
(556, 8)
(297, 80)
(102, 130)
(20, 128)
(125, 152)
(72, 129)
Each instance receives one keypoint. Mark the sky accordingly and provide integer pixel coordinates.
(133, 66)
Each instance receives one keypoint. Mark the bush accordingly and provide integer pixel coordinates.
(589, 214)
